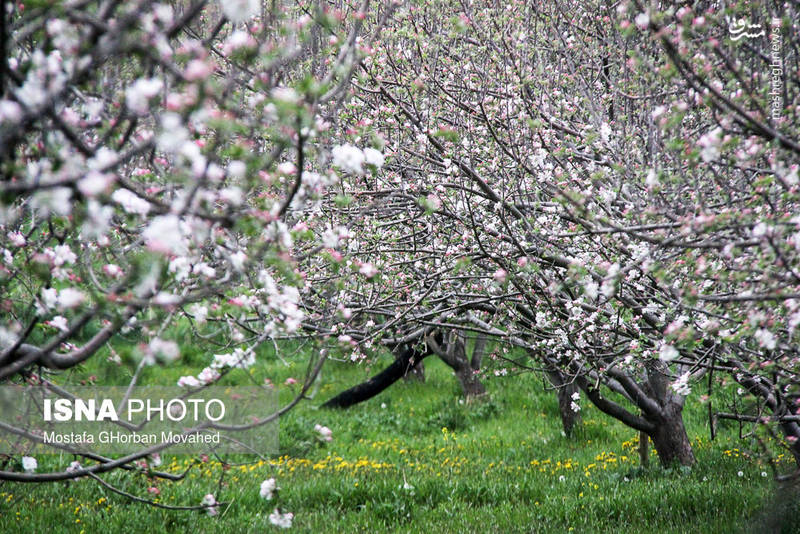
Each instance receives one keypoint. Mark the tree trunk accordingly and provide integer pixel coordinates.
(790, 429)
(470, 383)
(780, 407)
(366, 390)
(780, 511)
(668, 432)
(670, 439)
(454, 354)
(416, 372)
(644, 449)
(565, 389)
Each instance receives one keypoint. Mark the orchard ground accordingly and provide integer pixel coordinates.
(417, 459)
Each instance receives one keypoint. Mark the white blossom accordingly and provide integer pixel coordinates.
(281, 520)
(766, 339)
(268, 488)
(348, 158)
(209, 501)
(574, 406)
(164, 349)
(62, 254)
(95, 183)
(710, 145)
(590, 288)
(208, 375)
(53, 200)
(285, 94)
(681, 386)
(760, 230)
(17, 239)
(60, 322)
(373, 157)
(130, 202)
(241, 358)
(188, 382)
(29, 464)
(605, 132)
(137, 96)
(98, 219)
(164, 235)
(237, 259)
(173, 134)
(199, 312)
(368, 270)
(237, 169)
(70, 298)
(667, 353)
(10, 111)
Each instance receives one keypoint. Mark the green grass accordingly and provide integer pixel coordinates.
(501, 465)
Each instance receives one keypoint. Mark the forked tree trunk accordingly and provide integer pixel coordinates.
(453, 352)
(661, 411)
(668, 431)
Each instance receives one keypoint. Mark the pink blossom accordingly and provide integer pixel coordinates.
(208, 502)
(325, 433)
(17, 239)
(188, 381)
(198, 70)
(112, 270)
(368, 270)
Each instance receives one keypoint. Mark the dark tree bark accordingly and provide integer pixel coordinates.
(3, 55)
(780, 512)
(644, 449)
(670, 438)
(417, 372)
(565, 389)
(478, 351)
(454, 353)
(661, 415)
(780, 406)
(407, 359)
(668, 430)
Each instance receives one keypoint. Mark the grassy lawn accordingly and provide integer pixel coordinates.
(416, 459)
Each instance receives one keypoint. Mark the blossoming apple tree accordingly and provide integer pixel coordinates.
(613, 190)
(162, 164)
